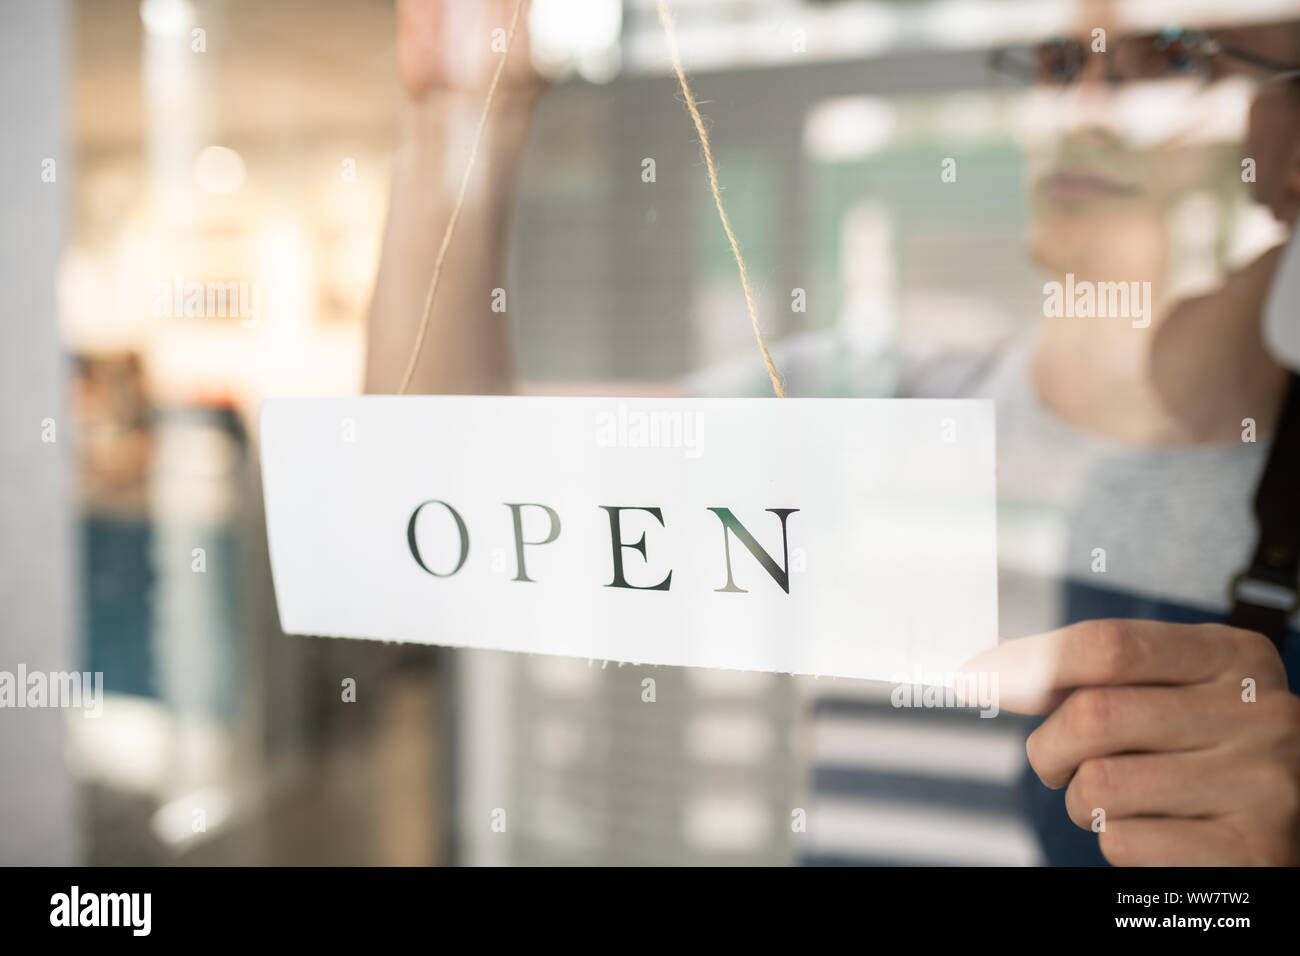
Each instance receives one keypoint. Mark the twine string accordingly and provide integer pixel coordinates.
(665, 18)
(460, 202)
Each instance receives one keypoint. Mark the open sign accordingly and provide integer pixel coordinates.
(847, 537)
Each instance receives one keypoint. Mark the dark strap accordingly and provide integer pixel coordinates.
(1266, 594)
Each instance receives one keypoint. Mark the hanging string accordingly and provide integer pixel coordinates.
(665, 18)
(460, 202)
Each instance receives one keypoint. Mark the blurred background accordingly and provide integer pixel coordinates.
(247, 141)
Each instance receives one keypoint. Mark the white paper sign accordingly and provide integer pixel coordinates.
(837, 537)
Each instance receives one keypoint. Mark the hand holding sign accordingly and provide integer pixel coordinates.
(1184, 735)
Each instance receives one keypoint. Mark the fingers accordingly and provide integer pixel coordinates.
(1248, 785)
(1150, 723)
(1223, 783)
(419, 57)
(1165, 842)
(1096, 721)
(1196, 784)
(1033, 672)
(453, 45)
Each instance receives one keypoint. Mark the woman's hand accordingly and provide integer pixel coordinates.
(1184, 736)
(447, 54)
(446, 47)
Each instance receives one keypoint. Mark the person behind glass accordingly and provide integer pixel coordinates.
(1140, 422)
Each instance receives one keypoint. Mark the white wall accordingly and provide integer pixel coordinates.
(39, 822)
